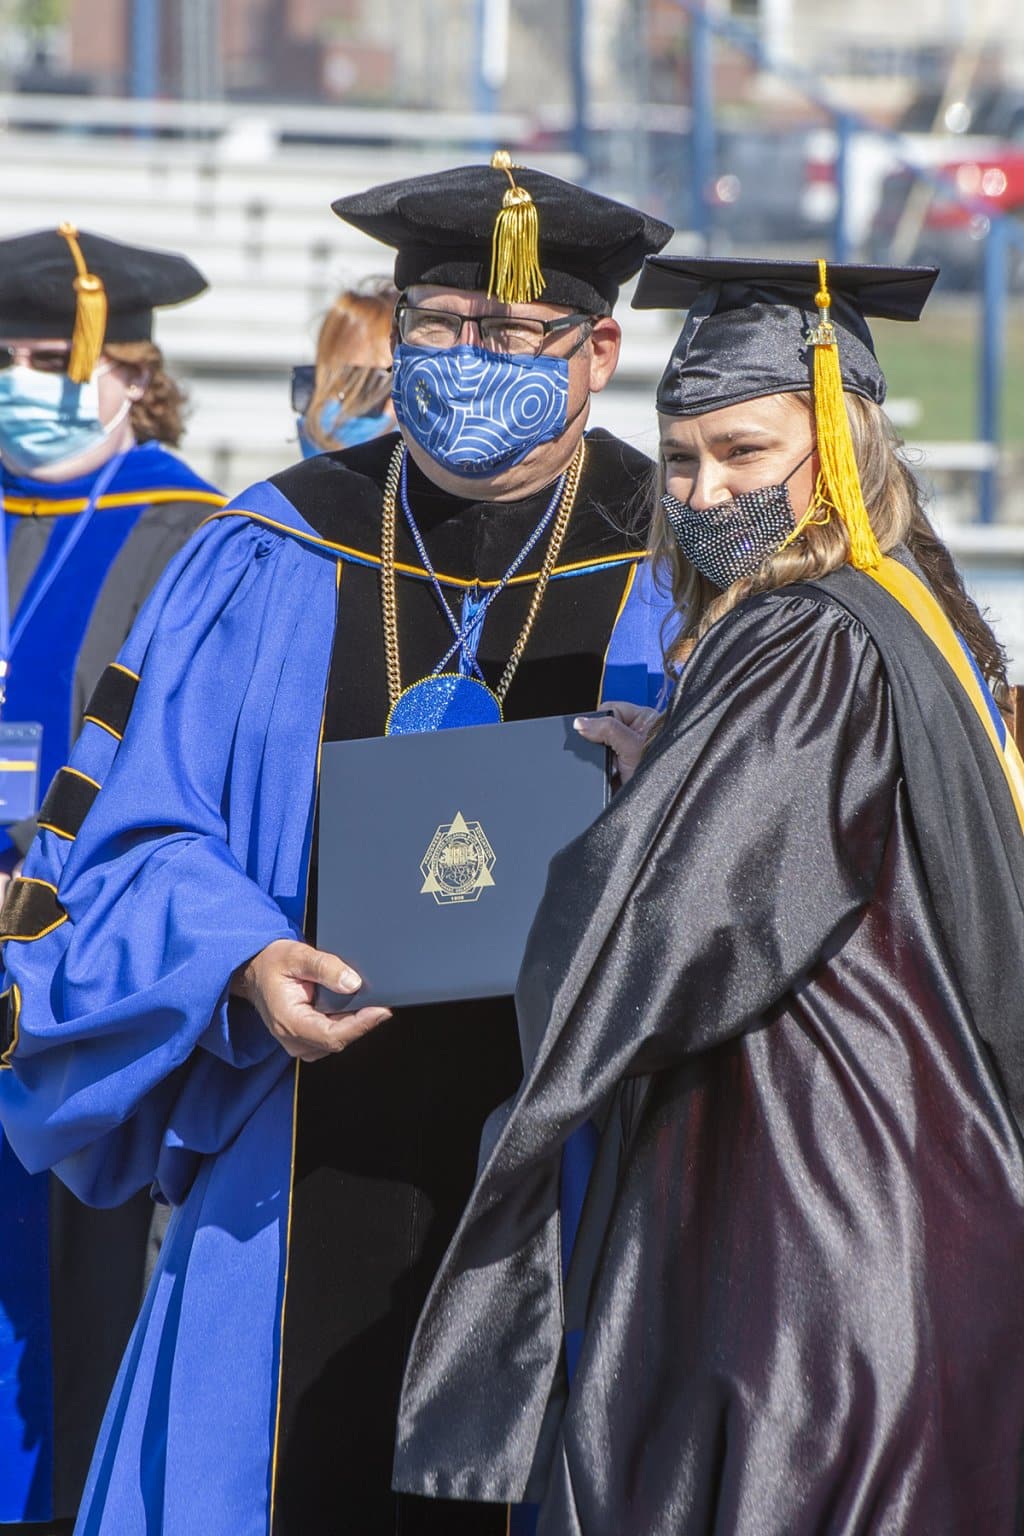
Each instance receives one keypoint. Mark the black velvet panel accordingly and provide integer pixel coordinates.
(8, 1021)
(30, 910)
(112, 699)
(68, 802)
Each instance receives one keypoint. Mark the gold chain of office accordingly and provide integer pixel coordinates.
(389, 594)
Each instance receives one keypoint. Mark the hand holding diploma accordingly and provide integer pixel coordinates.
(624, 729)
(281, 983)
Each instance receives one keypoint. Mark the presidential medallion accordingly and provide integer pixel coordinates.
(457, 865)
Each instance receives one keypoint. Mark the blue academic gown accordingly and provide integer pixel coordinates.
(128, 1061)
(148, 480)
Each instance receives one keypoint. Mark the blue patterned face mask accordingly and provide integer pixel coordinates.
(477, 412)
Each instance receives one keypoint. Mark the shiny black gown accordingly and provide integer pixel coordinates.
(785, 970)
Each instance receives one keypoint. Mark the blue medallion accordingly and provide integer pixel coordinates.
(443, 703)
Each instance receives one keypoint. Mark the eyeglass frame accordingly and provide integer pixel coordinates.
(548, 327)
(53, 349)
(303, 376)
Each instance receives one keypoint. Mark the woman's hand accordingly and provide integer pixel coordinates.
(281, 983)
(625, 730)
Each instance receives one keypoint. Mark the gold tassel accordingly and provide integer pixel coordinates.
(835, 443)
(90, 313)
(516, 277)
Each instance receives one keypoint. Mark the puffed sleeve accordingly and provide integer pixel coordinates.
(174, 846)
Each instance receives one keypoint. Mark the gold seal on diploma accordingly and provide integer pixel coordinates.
(457, 865)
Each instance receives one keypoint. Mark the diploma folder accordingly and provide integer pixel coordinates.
(434, 852)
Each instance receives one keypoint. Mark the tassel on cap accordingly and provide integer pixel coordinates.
(90, 313)
(516, 277)
(841, 487)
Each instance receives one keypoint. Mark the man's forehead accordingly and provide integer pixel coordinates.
(470, 301)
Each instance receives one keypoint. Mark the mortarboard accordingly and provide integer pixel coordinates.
(749, 323)
(758, 328)
(82, 287)
(516, 233)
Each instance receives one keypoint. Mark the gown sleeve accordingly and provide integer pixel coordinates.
(126, 1058)
(739, 856)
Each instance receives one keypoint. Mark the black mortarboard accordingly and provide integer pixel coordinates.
(53, 283)
(748, 329)
(517, 233)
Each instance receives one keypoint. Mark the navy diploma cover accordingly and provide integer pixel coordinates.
(434, 852)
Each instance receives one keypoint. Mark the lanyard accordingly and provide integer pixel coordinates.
(474, 609)
(11, 635)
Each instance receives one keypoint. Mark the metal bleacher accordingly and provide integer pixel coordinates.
(255, 217)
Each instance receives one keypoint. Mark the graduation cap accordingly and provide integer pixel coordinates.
(517, 234)
(82, 287)
(759, 328)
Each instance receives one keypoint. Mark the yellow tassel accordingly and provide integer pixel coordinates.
(841, 482)
(516, 277)
(90, 313)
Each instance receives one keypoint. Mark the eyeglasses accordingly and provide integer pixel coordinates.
(356, 375)
(42, 359)
(519, 335)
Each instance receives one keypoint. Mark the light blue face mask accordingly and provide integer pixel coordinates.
(477, 412)
(44, 419)
(346, 431)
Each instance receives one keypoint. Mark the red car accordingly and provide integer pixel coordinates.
(935, 227)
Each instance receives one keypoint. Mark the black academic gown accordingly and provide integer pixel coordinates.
(785, 967)
(387, 1135)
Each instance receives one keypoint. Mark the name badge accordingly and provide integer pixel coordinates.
(21, 747)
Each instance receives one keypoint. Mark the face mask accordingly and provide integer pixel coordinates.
(44, 418)
(477, 412)
(345, 432)
(733, 539)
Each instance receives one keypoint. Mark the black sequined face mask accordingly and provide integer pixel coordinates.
(732, 539)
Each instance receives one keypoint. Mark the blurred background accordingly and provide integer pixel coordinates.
(880, 131)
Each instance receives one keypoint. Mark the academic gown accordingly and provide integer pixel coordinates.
(71, 1279)
(785, 970)
(130, 1062)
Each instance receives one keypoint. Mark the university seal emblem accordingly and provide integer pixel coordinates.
(457, 865)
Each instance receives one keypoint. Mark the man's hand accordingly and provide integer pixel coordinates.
(624, 730)
(281, 983)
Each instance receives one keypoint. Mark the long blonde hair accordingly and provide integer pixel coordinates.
(893, 501)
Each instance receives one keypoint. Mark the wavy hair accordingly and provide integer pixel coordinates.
(893, 500)
(160, 412)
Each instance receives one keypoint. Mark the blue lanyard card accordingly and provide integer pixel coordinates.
(21, 747)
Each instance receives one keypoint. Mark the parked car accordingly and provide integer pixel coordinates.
(979, 127)
(945, 231)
